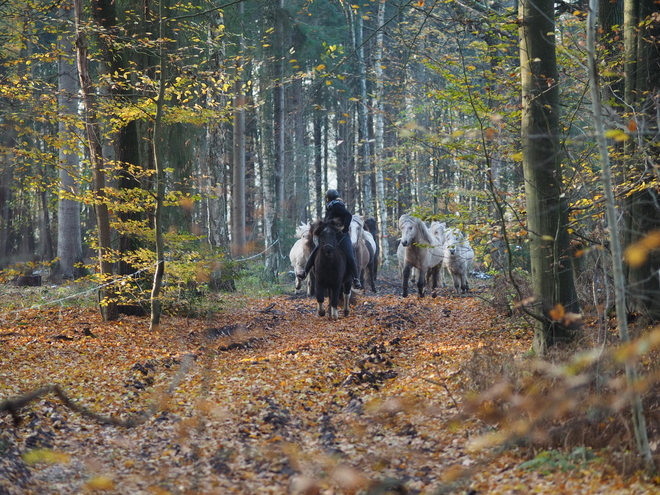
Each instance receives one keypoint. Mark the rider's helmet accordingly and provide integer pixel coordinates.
(331, 195)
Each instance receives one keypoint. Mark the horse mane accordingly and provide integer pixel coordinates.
(372, 226)
(302, 230)
(423, 231)
(335, 224)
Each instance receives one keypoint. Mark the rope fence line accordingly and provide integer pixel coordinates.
(113, 282)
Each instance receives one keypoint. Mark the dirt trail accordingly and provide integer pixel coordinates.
(265, 397)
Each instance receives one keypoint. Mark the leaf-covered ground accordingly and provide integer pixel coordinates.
(266, 397)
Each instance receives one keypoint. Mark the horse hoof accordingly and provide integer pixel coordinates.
(321, 313)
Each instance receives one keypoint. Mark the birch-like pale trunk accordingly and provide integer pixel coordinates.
(156, 309)
(639, 421)
(363, 120)
(379, 144)
(238, 191)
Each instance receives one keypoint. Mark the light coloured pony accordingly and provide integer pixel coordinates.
(371, 226)
(458, 258)
(419, 249)
(438, 231)
(372, 267)
(299, 255)
(362, 255)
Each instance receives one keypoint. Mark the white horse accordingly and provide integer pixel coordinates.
(371, 270)
(362, 253)
(419, 249)
(300, 252)
(438, 231)
(458, 258)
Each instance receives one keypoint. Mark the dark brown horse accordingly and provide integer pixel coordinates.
(331, 269)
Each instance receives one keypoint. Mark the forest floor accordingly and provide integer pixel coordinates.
(267, 397)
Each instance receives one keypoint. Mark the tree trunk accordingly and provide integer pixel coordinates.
(642, 65)
(318, 162)
(639, 421)
(69, 236)
(380, 137)
(238, 192)
(157, 143)
(273, 256)
(363, 119)
(108, 305)
(552, 275)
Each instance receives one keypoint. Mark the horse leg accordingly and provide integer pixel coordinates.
(347, 299)
(434, 280)
(465, 287)
(311, 283)
(406, 277)
(457, 282)
(421, 286)
(320, 295)
(334, 302)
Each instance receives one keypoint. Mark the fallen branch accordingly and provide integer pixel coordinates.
(13, 407)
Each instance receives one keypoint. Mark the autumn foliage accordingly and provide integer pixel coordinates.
(434, 395)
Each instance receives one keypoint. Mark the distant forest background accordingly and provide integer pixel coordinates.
(197, 133)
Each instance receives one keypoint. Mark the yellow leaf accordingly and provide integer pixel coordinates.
(46, 456)
(100, 483)
(617, 134)
(637, 253)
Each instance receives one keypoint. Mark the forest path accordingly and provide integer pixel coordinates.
(266, 397)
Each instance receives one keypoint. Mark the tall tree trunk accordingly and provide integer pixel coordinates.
(238, 193)
(639, 421)
(69, 235)
(552, 275)
(318, 162)
(380, 137)
(642, 66)
(157, 143)
(273, 257)
(363, 118)
(126, 139)
(108, 306)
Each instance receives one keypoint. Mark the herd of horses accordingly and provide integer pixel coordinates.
(423, 253)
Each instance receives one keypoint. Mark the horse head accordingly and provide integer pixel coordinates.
(453, 238)
(438, 230)
(326, 232)
(409, 228)
(356, 228)
(302, 230)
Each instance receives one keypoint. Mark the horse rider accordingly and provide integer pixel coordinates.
(335, 208)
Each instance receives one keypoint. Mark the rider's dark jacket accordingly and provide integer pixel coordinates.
(337, 209)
